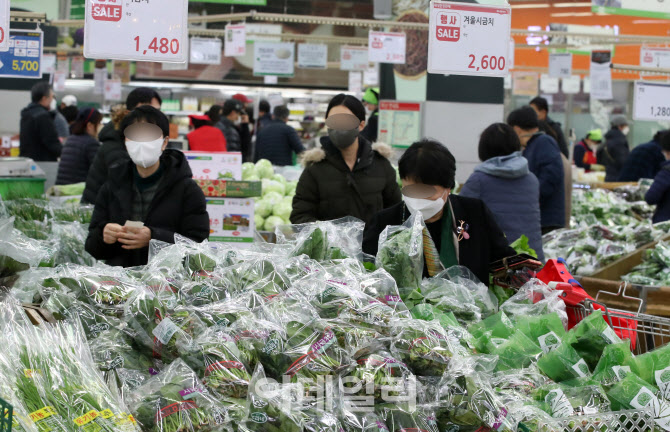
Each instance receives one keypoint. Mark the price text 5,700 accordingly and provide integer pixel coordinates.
(158, 45)
(487, 63)
(660, 111)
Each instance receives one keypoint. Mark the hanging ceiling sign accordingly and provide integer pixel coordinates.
(236, 40)
(652, 101)
(655, 57)
(205, 51)
(274, 58)
(560, 65)
(24, 57)
(469, 39)
(354, 58)
(641, 8)
(142, 30)
(387, 47)
(312, 56)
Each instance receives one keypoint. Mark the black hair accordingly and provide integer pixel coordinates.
(497, 140)
(541, 103)
(281, 112)
(146, 114)
(142, 95)
(70, 113)
(264, 106)
(524, 117)
(354, 105)
(85, 116)
(215, 112)
(40, 90)
(658, 137)
(545, 127)
(430, 163)
(665, 142)
(200, 123)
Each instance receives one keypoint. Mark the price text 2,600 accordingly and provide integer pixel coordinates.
(162, 45)
(487, 62)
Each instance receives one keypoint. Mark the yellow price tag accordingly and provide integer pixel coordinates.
(86, 418)
(106, 414)
(42, 413)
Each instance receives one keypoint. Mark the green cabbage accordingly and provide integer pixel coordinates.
(283, 210)
(272, 222)
(273, 186)
(259, 221)
(248, 171)
(265, 169)
(263, 208)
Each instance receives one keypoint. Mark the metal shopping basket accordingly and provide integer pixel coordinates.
(621, 421)
(6, 418)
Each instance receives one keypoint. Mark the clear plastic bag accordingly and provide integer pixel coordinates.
(323, 241)
(401, 254)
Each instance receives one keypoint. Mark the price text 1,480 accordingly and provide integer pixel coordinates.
(158, 45)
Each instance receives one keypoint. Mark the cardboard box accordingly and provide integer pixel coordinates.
(215, 166)
(230, 188)
(231, 220)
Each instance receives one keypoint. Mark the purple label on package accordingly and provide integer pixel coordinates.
(188, 393)
(324, 342)
(500, 419)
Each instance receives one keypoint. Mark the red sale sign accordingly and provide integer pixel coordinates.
(107, 12)
(450, 30)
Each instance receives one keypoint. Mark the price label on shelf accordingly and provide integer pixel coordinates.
(4, 25)
(141, 30)
(571, 85)
(205, 51)
(652, 101)
(469, 39)
(312, 56)
(113, 89)
(386, 47)
(236, 40)
(560, 65)
(24, 57)
(354, 58)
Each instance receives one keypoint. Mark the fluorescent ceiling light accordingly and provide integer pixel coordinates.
(531, 6)
(575, 4)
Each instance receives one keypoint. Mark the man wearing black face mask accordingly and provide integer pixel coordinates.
(347, 176)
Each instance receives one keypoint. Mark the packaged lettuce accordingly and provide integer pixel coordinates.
(614, 364)
(634, 393)
(496, 326)
(654, 367)
(547, 330)
(516, 352)
(400, 419)
(590, 337)
(565, 401)
(563, 363)
(401, 253)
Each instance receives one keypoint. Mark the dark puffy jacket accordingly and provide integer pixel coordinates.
(613, 154)
(659, 194)
(544, 160)
(644, 161)
(487, 242)
(372, 127)
(560, 137)
(76, 159)
(512, 193)
(112, 151)
(178, 207)
(38, 137)
(277, 142)
(237, 139)
(328, 189)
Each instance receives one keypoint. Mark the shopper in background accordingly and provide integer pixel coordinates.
(348, 175)
(154, 191)
(233, 121)
(371, 102)
(68, 101)
(462, 230)
(205, 137)
(277, 141)
(248, 105)
(113, 149)
(659, 192)
(584, 154)
(507, 187)
(80, 148)
(61, 123)
(541, 107)
(615, 152)
(644, 161)
(70, 113)
(264, 116)
(38, 137)
(545, 161)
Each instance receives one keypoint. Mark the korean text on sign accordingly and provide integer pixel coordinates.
(468, 39)
(142, 30)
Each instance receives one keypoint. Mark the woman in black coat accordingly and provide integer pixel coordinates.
(463, 230)
(80, 148)
(152, 196)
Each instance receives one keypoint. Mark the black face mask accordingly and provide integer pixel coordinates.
(343, 139)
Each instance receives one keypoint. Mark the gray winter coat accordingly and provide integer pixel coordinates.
(512, 193)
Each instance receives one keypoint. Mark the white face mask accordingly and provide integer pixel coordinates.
(145, 154)
(625, 130)
(427, 208)
(52, 106)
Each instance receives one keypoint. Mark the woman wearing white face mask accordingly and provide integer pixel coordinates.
(153, 196)
(463, 230)
(615, 152)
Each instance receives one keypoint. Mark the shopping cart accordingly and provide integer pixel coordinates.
(6, 417)
(621, 421)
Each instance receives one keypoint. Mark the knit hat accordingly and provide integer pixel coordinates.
(619, 120)
(595, 135)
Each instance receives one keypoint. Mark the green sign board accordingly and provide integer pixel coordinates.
(77, 9)
(236, 2)
(640, 8)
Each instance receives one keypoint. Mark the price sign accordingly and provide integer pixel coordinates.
(469, 39)
(48, 63)
(312, 56)
(236, 40)
(355, 82)
(652, 101)
(205, 51)
(601, 75)
(4, 25)
(386, 47)
(24, 57)
(142, 30)
(113, 89)
(655, 57)
(571, 85)
(548, 84)
(560, 65)
(270, 79)
(353, 58)
(58, 83)
(274, 58)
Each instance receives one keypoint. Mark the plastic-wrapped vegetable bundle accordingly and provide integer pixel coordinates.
(329, 240)
(399, 418)
(261, 276)
(68, 241)
(203, 292)
(547, 330)
(634, 393)
(516, 352)
(73, 213)
(64, 306)
(424, 346)
(563, 363)
(566, 401)
(18, 252)
(30, 209)
(485, 300)
(614, 364)
(176, 400)
(401, 254)
(497, 326)
(451, 297)
(590, 337)
(357, 421)
(535, 298)
(654, 368)
(376, 367)
(516, 382)
(221, 314)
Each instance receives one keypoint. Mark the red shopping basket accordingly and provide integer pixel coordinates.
(555, 273)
